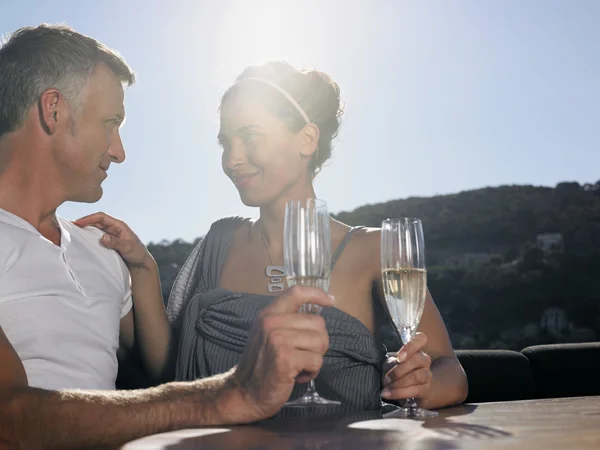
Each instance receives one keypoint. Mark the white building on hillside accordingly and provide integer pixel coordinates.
(550, 242)
(554, 321)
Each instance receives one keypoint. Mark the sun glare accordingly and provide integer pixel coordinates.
(256, 32)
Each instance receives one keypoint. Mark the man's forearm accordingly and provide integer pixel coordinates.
(152, 327)
(448, 384)
(34, 418)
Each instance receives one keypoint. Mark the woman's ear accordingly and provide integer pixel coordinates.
(309, 140)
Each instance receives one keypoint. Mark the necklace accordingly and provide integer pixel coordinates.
(274, 273)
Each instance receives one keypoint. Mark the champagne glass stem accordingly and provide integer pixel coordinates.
(406, 334)
(311, 389)
(411, 408)
(404, 276)
(307, 258)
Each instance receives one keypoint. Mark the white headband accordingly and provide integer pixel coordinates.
(283, 92)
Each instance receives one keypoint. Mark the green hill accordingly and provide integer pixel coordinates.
(509, 266)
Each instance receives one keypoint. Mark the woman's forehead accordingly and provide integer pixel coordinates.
(241, 110)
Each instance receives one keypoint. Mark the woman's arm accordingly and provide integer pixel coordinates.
(147, 325)
(153, 331)
(429, 371)
(426, 368)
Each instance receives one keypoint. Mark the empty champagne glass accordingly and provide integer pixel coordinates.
(405, 283)
(307, 258)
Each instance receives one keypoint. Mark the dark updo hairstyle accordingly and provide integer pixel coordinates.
(314, 91)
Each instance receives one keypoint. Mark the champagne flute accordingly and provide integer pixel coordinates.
(307, 258)
(405, 283)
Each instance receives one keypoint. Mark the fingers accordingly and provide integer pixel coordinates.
(418, 361)
(284, 347)
(114, 242)
(293, 321)
(294, 365)
(305, 377)
(416, 377)
(403, 392)
(298, 342)
(95, 219)
(104, 222)
(411, 378)
(308, 364)
(296, 296)
(118, 235)
(305, 341)
(416, 344)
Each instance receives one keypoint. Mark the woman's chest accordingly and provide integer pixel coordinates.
(351, 283)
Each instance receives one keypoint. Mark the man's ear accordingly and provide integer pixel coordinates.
(50, 111)
(309, 140)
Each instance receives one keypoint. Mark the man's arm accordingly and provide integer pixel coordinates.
(38, 418)
(282, 345)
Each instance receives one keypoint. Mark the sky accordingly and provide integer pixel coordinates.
(440, 96)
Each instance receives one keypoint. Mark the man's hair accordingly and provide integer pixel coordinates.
(35, 59)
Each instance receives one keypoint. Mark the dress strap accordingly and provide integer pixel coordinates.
(342, 246)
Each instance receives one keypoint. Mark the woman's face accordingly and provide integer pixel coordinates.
(262, 157)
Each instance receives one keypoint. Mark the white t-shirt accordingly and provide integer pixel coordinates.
(60, 307)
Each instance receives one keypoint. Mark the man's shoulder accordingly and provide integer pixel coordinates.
(9, 246)
(90, 237)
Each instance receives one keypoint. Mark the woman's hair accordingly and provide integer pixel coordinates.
(315, 92)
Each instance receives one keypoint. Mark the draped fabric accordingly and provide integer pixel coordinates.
(213, 326)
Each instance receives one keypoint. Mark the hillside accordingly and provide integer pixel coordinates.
(509, 266)
(496, 220)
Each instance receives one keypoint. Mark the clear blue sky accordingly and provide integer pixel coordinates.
(441, 96)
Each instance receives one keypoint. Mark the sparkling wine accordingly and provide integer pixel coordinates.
(405, 291)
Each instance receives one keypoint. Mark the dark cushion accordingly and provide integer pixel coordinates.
(565, 370)
(132, 374)
(497, 375)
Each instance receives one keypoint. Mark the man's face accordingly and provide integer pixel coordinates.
(91, 141)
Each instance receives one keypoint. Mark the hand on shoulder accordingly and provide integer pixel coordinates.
(118, 236)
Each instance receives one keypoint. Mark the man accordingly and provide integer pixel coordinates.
(65, 300)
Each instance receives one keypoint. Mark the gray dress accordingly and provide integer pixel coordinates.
(213, 325)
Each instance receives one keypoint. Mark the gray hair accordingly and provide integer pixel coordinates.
(35, 59)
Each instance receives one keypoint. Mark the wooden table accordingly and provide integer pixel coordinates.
(566, 424)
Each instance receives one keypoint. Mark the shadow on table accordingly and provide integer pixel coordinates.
(357, 430)
(457, 430)
(351, 439)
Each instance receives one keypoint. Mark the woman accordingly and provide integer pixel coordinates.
(276, 130)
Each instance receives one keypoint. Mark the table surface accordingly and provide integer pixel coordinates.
(565, 423)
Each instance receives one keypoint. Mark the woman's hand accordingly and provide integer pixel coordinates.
(120, 237)
(408, 375)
